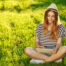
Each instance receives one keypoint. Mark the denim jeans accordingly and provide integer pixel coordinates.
(48, 47)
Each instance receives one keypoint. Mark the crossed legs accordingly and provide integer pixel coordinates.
(36, 55)
(29, 51)
(60, 54)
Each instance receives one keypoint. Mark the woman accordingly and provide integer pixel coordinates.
(49, 35)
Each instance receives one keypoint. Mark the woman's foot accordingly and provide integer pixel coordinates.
(47, 60)
(36, 61)
(60, 60)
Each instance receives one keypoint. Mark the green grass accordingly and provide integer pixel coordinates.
(17, 29)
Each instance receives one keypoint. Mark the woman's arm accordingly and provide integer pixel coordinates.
(37, 43)
(58, 44)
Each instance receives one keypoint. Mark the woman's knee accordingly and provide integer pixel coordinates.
(63, 48)
(28, 50)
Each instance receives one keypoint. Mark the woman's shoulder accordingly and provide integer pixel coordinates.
(62, 30)
(38, 27)
(62, 27)
(40, 24)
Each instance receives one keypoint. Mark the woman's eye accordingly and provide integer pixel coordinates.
(48, 15)
(53, 16)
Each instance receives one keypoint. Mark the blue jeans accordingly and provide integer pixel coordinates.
(48, 47)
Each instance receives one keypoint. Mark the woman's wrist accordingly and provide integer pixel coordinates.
(56, 49)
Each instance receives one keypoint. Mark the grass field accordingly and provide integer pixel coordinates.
(18, 21)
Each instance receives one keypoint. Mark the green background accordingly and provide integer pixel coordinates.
(18, 21)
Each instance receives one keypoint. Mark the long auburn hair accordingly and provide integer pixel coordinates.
(54, 33)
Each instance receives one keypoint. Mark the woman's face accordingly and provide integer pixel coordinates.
(51, 17)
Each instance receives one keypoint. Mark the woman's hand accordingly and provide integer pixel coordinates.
(40, 47)
(53, 51)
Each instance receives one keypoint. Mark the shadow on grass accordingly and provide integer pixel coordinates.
(40, 5)
(47, 3)
(60, 2)
(47, 64)
(63, 18)
(54, 1)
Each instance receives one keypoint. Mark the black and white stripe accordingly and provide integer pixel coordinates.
(44, 40)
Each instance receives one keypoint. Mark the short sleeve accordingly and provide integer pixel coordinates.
(37, 30)
(62, 31)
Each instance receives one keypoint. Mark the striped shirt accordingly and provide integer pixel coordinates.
(44, 40)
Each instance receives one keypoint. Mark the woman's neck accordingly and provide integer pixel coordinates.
(49, 27)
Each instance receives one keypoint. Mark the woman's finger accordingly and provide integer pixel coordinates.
(41, 46)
